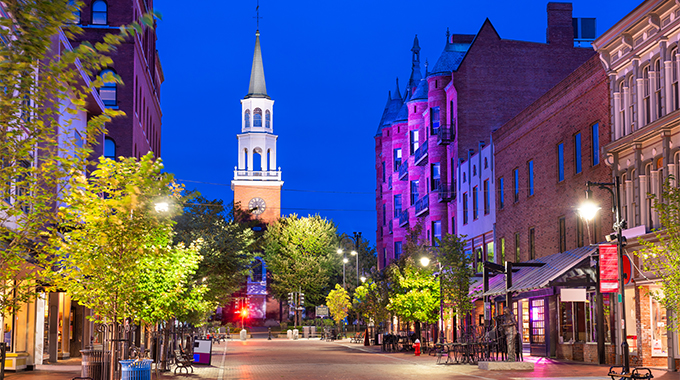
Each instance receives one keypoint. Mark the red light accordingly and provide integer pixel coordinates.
(244, 312)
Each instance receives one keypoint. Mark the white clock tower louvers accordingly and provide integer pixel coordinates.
(257, 174)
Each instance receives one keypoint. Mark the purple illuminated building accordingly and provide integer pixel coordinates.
(476, 85)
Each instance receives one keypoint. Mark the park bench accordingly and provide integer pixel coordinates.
(635, 374)
(358, 337)
(183, 362)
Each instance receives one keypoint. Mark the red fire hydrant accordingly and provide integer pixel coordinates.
(417, 347)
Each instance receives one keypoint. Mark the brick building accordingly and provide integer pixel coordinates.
(137, 63)
(543, 157)
(477, 84)
(640, 55)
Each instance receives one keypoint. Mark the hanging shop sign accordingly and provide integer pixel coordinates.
(609, 269)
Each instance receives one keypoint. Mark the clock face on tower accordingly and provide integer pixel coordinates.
(257, 205)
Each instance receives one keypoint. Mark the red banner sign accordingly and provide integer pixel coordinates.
(609, 268)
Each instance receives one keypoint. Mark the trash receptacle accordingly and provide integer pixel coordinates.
(136, 369)
(95, 364)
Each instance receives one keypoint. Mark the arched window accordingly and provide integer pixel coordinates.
(246, 118)
(674, 79)
(657, 89)
(109, 148)
(267, 119)
(269, 160)
(622, 109)
(99, 13)
(245, 159)
(257, 118)
(108, 91)
(645, 96)
(631, 104)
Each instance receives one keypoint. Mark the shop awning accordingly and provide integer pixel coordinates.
(527, 279)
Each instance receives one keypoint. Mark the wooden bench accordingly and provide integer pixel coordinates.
(183, 362)
(635, 374)
(358, 337)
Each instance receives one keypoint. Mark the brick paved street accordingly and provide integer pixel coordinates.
(259, 359)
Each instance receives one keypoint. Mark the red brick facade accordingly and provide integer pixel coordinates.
(573, 106)
(136, 62)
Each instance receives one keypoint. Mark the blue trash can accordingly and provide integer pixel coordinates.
(136, 369)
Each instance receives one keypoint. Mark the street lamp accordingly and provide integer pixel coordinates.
(425, 261)
(363, 279)
(344, 261)
(588, 211)
(355, 252)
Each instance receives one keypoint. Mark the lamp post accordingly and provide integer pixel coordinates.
(356, 238)
(425, 261)
(588, 211)
(344, 261)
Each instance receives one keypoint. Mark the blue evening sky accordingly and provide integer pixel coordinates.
(328, 67)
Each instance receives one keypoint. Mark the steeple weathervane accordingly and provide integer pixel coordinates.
(257, 16)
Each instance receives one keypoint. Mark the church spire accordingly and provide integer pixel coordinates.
(257, 87)
(416, 76)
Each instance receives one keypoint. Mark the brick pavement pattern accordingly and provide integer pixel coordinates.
(259, 359)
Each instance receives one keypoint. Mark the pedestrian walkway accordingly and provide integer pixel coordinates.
(262, 359)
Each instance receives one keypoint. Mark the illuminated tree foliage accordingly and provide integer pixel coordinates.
(663, 256)
(46, 83)
(116, 255)
(338, 303)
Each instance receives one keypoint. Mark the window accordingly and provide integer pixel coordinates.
(108, 91)
(397, 249)
(646, 109)
(517, 249)
(436, 232)
(622, 108)
(530, 175)
(109, 148)
(246, 119)
(414, 191)
(490, 253)
(267, 119)
(595, 130)
(465, 208)
(99, 13)
(397, 159)
(502, 252)
(577, 152)
(487, 205)
(397, 205)
(257, 117)
(435, 176)
(479, 260)
(563, 234)
(384, 215)
(674, 79)
(579, 232)
(515, 185)
(434, 120)
(560, 162)
(76, 12)
(475, 206)
(501, 198)
(414, 141)
(383, 172)
(657, 89)
(384, 262)
(532, 243)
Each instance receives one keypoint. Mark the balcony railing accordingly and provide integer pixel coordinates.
(446, 193)
(253, 175)
(446, 134)
(423, 205)
(403, 170)
(403, 218)
(420, 156)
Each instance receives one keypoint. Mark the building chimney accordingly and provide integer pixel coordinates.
(560, 27)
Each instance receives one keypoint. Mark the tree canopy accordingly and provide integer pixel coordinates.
(300, 253)
(338, 303)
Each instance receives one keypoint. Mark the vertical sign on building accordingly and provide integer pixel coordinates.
(609, 268)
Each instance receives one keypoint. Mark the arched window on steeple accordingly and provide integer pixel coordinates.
(267, 119)
(246, 118)
(257, 117)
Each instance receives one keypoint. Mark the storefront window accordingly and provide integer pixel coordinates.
(537, 320)
(525, 321)
(658, 323)
(591, 317)
(631, 319)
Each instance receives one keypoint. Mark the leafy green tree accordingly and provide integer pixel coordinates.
(416, 295)
(111, 256)
(301, 255)
(372, 297)
(663, 256)
(338, 303)
(456, 273)
(228, 245)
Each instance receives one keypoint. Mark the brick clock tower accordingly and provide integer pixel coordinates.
(257, 181)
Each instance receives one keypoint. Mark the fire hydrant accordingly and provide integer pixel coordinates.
(417, 347)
